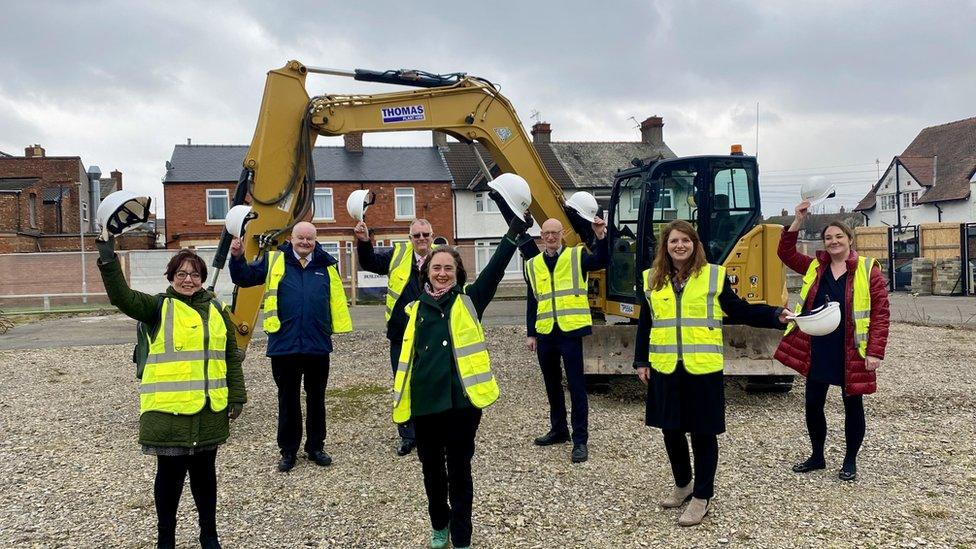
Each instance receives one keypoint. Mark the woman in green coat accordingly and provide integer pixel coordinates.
(187, 397)
(444, 380)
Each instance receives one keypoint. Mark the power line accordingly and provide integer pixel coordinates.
(821, 168)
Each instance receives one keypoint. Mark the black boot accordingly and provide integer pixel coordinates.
(166, 538)
(209, 542)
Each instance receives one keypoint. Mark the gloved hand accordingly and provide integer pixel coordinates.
(516, 227)
(234, 410)
(106, 248)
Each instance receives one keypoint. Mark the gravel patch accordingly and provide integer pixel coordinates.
(72, 475)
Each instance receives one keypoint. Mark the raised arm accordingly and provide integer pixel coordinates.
(369, 259)
(787, 251)
(133, 303)
(483, 289)
(246, 274)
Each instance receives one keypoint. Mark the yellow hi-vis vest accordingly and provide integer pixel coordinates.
(862, 299)
(186, 362)
(339, 309)
(399, 274)
(561, 296)
(470, 358)
(687, 327)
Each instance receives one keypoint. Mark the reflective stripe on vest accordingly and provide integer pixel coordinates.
(560, 295)
(399, 274)
(338, 305)
(861, 308)
(186, 364)
(470, 358)
(687, 326)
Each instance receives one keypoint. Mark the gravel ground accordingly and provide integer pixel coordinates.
(72, 475)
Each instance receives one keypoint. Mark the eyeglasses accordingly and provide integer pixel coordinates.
(551, 233)
(181, 275)
(420, 235)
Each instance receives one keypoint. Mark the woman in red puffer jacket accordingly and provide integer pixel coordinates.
(835, 358)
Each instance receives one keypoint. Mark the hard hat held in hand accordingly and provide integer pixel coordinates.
(515, 190)
(820, 321)
(584, 204)
(121, 211)
(357, 203)
(237, 218)
(817, 189)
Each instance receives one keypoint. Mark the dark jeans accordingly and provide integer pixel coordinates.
(816, 398)
(406, 429)
(705, 447)
(170, 475)
(550, 350)
(288, 371)
(445, 446)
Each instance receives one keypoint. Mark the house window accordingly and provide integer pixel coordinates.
(333, 249)
(888, 202)
(84, 212)
(664, 202)
(908, 199)
(217, 204)
(484, 203)
(323, 205)
(484, 249)
(404, 203)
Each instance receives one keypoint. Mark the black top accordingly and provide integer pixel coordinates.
(827, 352)
(379, 263)
(591, 262)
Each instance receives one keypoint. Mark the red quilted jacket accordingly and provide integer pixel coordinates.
(794, 349)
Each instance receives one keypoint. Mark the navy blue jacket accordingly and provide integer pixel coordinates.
(303, 301)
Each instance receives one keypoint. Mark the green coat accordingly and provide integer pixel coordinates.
(434, 382)
(161, 429)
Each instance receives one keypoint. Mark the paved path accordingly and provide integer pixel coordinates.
(117, 328)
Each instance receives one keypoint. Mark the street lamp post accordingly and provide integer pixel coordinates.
(94, 174)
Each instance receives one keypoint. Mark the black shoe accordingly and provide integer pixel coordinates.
(848, 472)
(406, 446)
(320, 457)
(209, 542)
(579, 453)
(552, 437)
(809, 465)
(166, 540)
(286, 463)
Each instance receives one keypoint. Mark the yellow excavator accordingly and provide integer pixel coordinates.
(718, 194)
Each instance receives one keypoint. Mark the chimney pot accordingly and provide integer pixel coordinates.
(353, 142)
(652, 130)
(34, 151)
(541, 132)
(188, 141)
(439, 139)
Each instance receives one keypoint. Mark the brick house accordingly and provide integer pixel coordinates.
(409, 182)
(44, 199)
(932, 181)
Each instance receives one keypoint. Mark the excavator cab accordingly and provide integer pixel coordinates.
(719, 195)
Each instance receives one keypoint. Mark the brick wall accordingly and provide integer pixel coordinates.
(186, 211)
(50, 171)
(9, 212)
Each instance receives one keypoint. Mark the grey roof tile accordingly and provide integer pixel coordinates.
(16, 183)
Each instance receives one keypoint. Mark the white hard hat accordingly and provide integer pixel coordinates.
(356, 204)
(820, 321)
(817, 189)
(515, 190)
(584, 204)
(121, 211)
(237, 218)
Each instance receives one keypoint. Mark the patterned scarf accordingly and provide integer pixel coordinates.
(437, 294)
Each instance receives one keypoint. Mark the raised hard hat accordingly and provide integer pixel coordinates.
(121, 211)
(515, 190)
(584, 204)
(357, 203)
(817, 189)
(820, 321)
(237, 218)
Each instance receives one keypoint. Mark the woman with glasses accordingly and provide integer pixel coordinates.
(192, 384)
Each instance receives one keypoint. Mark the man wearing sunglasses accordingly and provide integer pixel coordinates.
(402, 266)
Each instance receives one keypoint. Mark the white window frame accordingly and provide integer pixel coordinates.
(887, 202)
(217, 193)
(909, 199)
(483, 204)
(84, 212)
(334, 248)
(512, 270)
(324, 192)
(397, 195)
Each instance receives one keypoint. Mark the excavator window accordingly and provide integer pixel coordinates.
(732, 211)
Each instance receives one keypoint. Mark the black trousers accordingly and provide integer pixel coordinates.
(550, 349)
(405, 430)
(288, 372)
(854, 424)
(445, 446)
(171, 473)
(705, 447)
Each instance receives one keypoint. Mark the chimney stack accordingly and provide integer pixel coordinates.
(34, 151)
(652, 130)
(117, 176)
(353, 142)
(541, 132)
(439, 139)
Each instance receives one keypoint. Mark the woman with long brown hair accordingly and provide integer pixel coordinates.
(679, 355)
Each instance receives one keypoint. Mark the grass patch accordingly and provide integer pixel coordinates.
(931, 512)
(352, 402)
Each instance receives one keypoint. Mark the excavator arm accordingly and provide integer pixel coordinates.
(279, 175)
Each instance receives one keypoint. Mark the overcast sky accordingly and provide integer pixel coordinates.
(840, 84)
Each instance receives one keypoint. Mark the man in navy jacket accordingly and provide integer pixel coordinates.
(301, 347)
